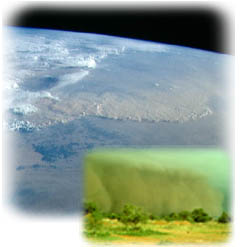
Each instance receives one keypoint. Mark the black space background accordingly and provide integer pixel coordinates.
(202, 28)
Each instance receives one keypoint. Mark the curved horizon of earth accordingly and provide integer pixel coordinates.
(66, 93)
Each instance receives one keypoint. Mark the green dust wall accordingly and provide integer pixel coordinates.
(159, 180)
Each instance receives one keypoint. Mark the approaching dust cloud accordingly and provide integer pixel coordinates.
(161, 181)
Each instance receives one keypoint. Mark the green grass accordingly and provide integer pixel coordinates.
(160, 232)
(139, 231)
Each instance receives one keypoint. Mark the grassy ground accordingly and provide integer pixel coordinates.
(158, 232)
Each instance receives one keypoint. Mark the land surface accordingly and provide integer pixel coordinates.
(158, 232)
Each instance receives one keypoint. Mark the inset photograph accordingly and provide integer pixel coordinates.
(158, 196)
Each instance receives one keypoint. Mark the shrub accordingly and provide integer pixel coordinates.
(97, 216)
(171, 217)
(89, 207)
(94, 217)
(185, 215)
(154, 217)
(224, 218)
(132, 215)
(198, 215)
(112, 216)
(94, 223)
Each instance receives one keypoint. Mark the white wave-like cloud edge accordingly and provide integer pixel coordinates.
(151, 108)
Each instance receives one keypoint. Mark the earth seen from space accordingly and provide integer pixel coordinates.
(66, 93)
